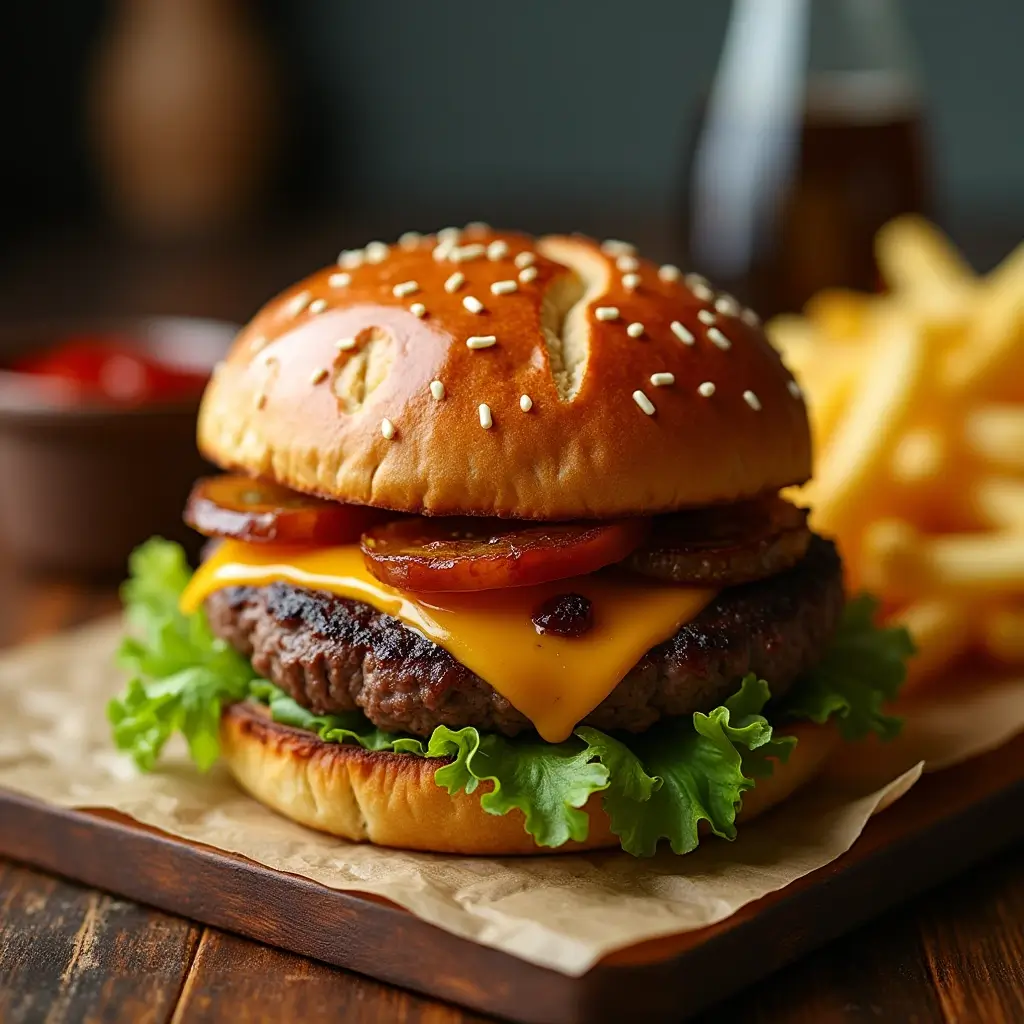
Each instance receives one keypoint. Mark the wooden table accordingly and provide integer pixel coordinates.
(70, 954)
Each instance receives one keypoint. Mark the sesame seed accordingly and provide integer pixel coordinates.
(607, 313)
(478, 225)
(669, 272)
(631, 281)
(635, 330)
(410, 239)
(752, 400)
(339, 280)
(296, 304)
(345, 344)
(717, 338)
(481, 341)
(503, 287)
(377, 252)
(351, 258)
(486, 420)
(663, 380)
(497, 250)
(387, 428)
(644, 402)
(436, 390)
(448, 235)
(696, 281)
(616, 247)
(455, 282)
(685, 336)
(473, 304)
(418, 309)
(317, 376)
(317, 306)
(727, 305)
(794, 389)
(525, 259)
(464, 253)
(442, 252)
(525, 403)
(706, 390)
(750, 318)
(405, 288)
(527, 274)
(702, 292)
(625, 262)
(705, 316)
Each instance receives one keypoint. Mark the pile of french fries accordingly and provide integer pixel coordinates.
(916, 400)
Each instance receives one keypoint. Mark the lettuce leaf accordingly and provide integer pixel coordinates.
(863, 669)
(697, 772)
(181, 674)
(658, 785)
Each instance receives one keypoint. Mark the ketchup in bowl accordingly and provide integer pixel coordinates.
(113, 370)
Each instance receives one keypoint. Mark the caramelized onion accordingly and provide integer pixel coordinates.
(726, 544)
(565, 615)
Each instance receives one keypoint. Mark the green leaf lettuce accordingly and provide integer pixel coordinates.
(863, 669)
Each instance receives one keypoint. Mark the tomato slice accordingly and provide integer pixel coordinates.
(255, 510)
(463, 553)
(724, 545)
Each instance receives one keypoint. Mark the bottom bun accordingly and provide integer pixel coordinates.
(392, 799)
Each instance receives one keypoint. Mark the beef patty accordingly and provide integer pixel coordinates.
(332, 654)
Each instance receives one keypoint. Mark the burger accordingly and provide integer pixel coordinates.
(499, 563)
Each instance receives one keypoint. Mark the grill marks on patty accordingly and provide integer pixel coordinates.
(333, 654)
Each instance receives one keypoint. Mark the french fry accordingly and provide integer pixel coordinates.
(942, 631)
(827, 390)
(919, 456)
(998, 502)
(891, 559)
(796, 339)
(839, 314)
(870, 427)
(978, 564)
(1007, 277)
(914, 256)
(995, 433)
(1003, 634)
(905, 565)
(991, 357)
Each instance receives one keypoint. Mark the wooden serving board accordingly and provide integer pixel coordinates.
(947, 822)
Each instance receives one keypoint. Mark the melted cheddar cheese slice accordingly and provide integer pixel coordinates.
(555, 682)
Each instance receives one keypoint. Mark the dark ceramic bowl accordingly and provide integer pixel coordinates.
(82, 484)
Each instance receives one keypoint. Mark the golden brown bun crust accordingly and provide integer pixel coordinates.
(291, 406)
(392, 799)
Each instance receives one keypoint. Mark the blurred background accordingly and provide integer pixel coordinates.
(169, 165)
(193, 156)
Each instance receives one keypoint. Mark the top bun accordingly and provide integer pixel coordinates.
(492, 373)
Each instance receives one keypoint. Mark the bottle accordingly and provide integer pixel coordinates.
(810, 140)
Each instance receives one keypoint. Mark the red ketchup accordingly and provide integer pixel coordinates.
(111, 369)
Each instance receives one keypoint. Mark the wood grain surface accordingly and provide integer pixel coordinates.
(69, 953)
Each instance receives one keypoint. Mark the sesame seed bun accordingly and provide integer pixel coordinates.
(392, 799)
(487, 372)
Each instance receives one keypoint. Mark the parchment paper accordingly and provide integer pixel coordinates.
(563, 912)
